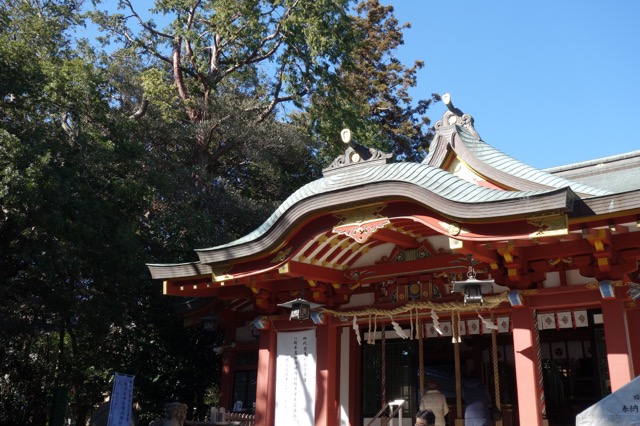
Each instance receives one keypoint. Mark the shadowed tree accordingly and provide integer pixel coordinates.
(76, 303)
(179, 138)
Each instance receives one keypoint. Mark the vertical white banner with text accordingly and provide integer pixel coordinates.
(296, 378)
(121, 401)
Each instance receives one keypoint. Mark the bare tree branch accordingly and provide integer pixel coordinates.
(144, 24)
(69, 126)
(215, 56)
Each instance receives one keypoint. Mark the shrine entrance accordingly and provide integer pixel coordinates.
(573, 361)
(574, 368)
(391, 370)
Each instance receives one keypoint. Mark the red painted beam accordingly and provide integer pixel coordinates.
(556, 250)
(479, 252)
(563, 298)
(374, 273)
(401, 240)
(314, 272)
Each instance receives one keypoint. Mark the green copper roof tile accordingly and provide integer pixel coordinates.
(425, 177)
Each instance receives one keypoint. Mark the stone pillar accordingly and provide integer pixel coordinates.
(528, 377)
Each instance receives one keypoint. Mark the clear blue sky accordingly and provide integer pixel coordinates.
(547, 82)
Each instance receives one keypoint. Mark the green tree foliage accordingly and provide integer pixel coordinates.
(371, 93)
(215, 80)
(75, 299)
(180, 137)
(268, 52)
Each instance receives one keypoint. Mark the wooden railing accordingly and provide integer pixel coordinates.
(398, 403)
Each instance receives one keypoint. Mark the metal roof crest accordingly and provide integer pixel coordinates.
(455, 117)
(356, 155)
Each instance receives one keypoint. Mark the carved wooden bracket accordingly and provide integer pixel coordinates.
(600, 239)
(512, 263)
(359, 224)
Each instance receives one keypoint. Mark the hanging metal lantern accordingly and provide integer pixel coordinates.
(300, 308)
(472, 288)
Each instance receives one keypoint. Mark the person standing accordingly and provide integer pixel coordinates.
(425, 418)
(476, 401)
(435, 401)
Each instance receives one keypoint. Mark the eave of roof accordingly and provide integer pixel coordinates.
(618, 173)
(623, 203)
(434, 188)
(456, 136)
(162, 271)
(428, 185)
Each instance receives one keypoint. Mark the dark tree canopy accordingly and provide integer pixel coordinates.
(176, 137)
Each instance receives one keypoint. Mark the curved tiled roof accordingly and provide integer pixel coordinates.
(354, 180)
(172, 270)
(437, 181)
(618, 173)
(506, 164)
(455, 134)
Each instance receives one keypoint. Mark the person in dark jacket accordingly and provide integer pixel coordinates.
(476, 402)
(425, 418)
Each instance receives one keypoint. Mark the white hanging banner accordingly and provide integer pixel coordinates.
(296, 378)
(581, 319)
(445, 326)
(431, 330)
(462, 328)
(121, 400)
(503, 324)
(473, 326)
(547, 321)
(564, 319)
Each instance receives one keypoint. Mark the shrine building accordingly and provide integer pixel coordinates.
(381, 275)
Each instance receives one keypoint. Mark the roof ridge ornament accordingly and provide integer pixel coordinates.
(446, 98)
(455, 117)
(356, 155)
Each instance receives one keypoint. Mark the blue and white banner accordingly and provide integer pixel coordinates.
(296, 378)
(121, 400)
